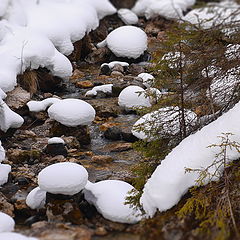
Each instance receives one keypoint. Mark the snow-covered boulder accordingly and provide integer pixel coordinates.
(133, 97)
(63, 178)
(106, 88)
(147, 79)
(169, 9)
(109, 198)
(37, 106)
(72, 112)
(126, 41)
(5, 169)
(56, 140)
(127, 16)
(113, 63)
(15, 236)
(165, 121)
(36, 199)
(170, 182)
(2, 152)
(6, 223)
(8, 118)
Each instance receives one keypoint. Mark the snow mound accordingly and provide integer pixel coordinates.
(127, 16)
(15, 236)
(106, 88)
(126, 41)
(2, 152)
(55, 140)
(36, 199)
(72, 112)
(5, 169)
(37, 106)
(6, 223)
(169, 182)
(112, 64)
(109, 197)
(133, 97)
(166, 120)
(8, 118)
(147, 79)
(168, 9)
(63, 178)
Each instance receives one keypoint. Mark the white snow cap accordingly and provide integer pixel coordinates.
(133, 97)
(2, 152)
(6, 223)
(37, 106)
(14, 236)
(72, 112)
(126, 41)
(165, 119)
(55, 140)
(63, 178)
(169, 182)
(106, 88)
(165, 8)
(8, 118)
(36, 199)
(5, 169)
(147, 79)
(112, 64)
(128, 16)
(109, 197)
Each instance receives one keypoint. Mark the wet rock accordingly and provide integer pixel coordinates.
(84, 84)
(81, 132)
(55, 149)
(17, 99)
(23, 156)
(22, 181)
(77, 74)
(118, 147)
(116, 74)
(102, 159)
(127, 136)
(113, 133)
(135, 69)
(117, 88)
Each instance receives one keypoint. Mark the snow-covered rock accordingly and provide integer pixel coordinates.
(2, 152)
(5, 169)
(147, 79)
(6, 223)
(55, 140)
(109, 198)
(14, 236)
(36, 199)
(8, 118)
(133, 97)
(165, 121)
(37, 106)
(169, 9)
(170, 182)
(63, 178)
(126, 41)
(106, 88)
(72, 112)
(112, 64)
(127, 16)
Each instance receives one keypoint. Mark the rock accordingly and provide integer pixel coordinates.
(117, 88)
(118, 68)
(56, 149)
(77, 74)
(17, 99)
(116, 74)
(105, 70)
(135, 69)
(118, 147)
(123, 3)
(5, 206)
(81, 133)
(113, 133)
(84, 84)
(102, 159)
(100, 55)
(24, 156)
(71, 142)
(127, 136)
(101, 231)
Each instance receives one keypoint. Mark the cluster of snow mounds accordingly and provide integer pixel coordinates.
(133, 97)
(170, 9)
(126, 41)
(5, 169)
(165, 121)
(69, 112)
(109, 197)
(30, 41)
(169, 182)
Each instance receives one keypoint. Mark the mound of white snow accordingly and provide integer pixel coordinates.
(126, 41)
(36, 199)
(5, 169)
(55, 140)
(2, 152)
(169, 182)
(72, 112)
(14, 236)
(37, 106)
(133, 97)
(109, 198)
(63, 178)
(6, 223)
(127, 16)
(106, 88)
(147, 79)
